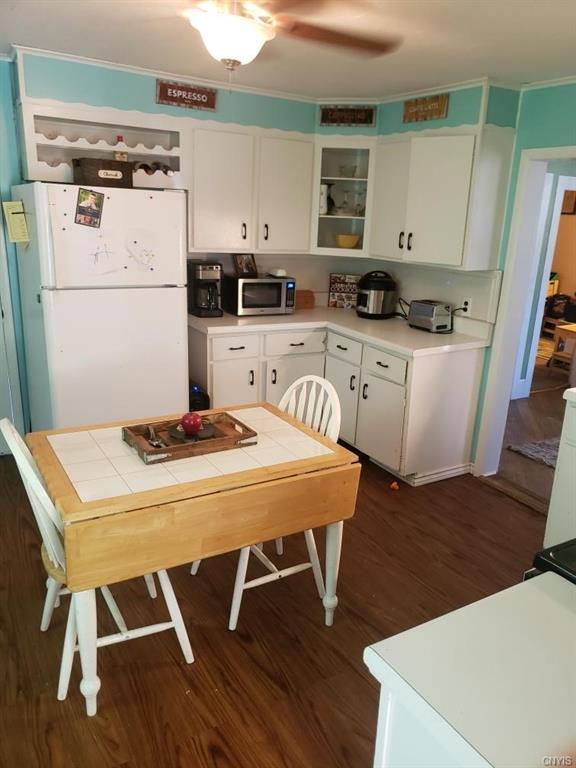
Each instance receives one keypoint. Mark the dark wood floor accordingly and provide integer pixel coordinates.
(283, 691)
(538, 417)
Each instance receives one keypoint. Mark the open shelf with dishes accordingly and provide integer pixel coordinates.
(343, 191)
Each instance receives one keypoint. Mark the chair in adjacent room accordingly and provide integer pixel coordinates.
(313, 401)
(82, 611)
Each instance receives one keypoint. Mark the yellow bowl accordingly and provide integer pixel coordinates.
(347, 241)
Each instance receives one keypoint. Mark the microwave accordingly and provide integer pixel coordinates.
(258, 295)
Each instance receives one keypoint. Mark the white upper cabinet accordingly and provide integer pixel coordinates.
(222, 205)
(284, 194)
(390, 197)
(440, 200)
(437, 203)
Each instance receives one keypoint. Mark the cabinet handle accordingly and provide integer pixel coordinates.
(339, 346)
(244, 231)
(382, 365)
(298, 344)
(401, 240)
(364, 390)
(235, 349)
(409, 242)
(352, 382)
(265, 231)
(251, 378)
(274, 375)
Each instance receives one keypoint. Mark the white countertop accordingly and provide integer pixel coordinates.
(501, 672)
(393, 334)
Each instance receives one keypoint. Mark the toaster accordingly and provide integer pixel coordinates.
(430, 315)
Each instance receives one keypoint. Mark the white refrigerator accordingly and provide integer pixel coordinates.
(103, 295)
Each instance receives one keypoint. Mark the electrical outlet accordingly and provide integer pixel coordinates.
(467, 306)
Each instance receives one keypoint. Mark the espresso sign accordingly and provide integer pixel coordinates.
(426, 108)
(351, 115)
(184, 95)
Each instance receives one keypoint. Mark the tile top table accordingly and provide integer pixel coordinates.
(123, 518)
(101, 465)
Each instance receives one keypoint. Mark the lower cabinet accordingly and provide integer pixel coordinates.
(283, 371)
(345, 378)
(235, 382)
(380, 420)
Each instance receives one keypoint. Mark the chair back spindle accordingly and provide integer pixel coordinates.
(314, 401)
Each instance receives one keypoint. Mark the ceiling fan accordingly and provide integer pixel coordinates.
(234, 31)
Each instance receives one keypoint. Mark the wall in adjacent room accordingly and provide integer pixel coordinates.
(564, 262)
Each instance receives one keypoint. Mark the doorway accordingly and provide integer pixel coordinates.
(543, 256)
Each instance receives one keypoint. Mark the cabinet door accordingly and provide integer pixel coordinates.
(285, 195)
(380, 420)
(234, 382)
(223, 190)
(438, 192)
(346, 380)
(390, 196)
(283, 371)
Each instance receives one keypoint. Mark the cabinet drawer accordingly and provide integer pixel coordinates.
(230, 347)
(346, 349)
(386, 365)
(294, 343)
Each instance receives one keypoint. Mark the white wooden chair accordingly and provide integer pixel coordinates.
(82, 611)
(313, 401)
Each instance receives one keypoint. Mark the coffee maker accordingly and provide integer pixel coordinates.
(204, 282)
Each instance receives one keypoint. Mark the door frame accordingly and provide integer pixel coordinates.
(522, 387)
(515, 302)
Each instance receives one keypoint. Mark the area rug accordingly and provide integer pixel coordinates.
(542, 451)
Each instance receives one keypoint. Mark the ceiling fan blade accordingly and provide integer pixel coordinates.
(363, 44)
(280, 6)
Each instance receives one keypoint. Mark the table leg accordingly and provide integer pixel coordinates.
(84, 603)
(333, 548)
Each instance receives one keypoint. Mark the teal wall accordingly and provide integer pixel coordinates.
(502, 107)
(10, 174)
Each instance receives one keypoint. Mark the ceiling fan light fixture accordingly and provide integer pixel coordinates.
(231, 39)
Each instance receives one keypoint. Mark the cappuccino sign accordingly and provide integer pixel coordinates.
(185, 95)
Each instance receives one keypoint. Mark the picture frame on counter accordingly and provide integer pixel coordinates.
(245, 265)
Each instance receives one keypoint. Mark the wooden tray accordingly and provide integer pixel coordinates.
(228, 433)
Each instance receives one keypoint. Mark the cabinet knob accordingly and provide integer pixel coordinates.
(352, 382)
(364, 390)
(251, 378)
(265, 231)
(409, 242)
(401, 240)
(274, 375)
(244, 231)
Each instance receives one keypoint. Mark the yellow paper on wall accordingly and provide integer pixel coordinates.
(16, 221)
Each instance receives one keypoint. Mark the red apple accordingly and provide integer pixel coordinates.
(191, 423)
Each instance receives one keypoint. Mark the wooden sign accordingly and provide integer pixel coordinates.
(185, 95)
(426, 108)
(347, 115)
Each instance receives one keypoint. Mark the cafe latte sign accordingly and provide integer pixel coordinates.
(426, 108)
(185, 95)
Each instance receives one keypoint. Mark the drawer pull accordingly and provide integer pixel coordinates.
(274, 375)
(251, 378)
(244, 231)
(265, 231)
(409, 241)
(339, 346)
(401, 240)
(364, 390)
(382, 365)
(297, 344)
(235, 349)
(352, 382)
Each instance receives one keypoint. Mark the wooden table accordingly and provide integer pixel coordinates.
(119, 538)
(563, 333)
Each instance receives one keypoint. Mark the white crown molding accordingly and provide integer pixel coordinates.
(549, 83)
(482, 81)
